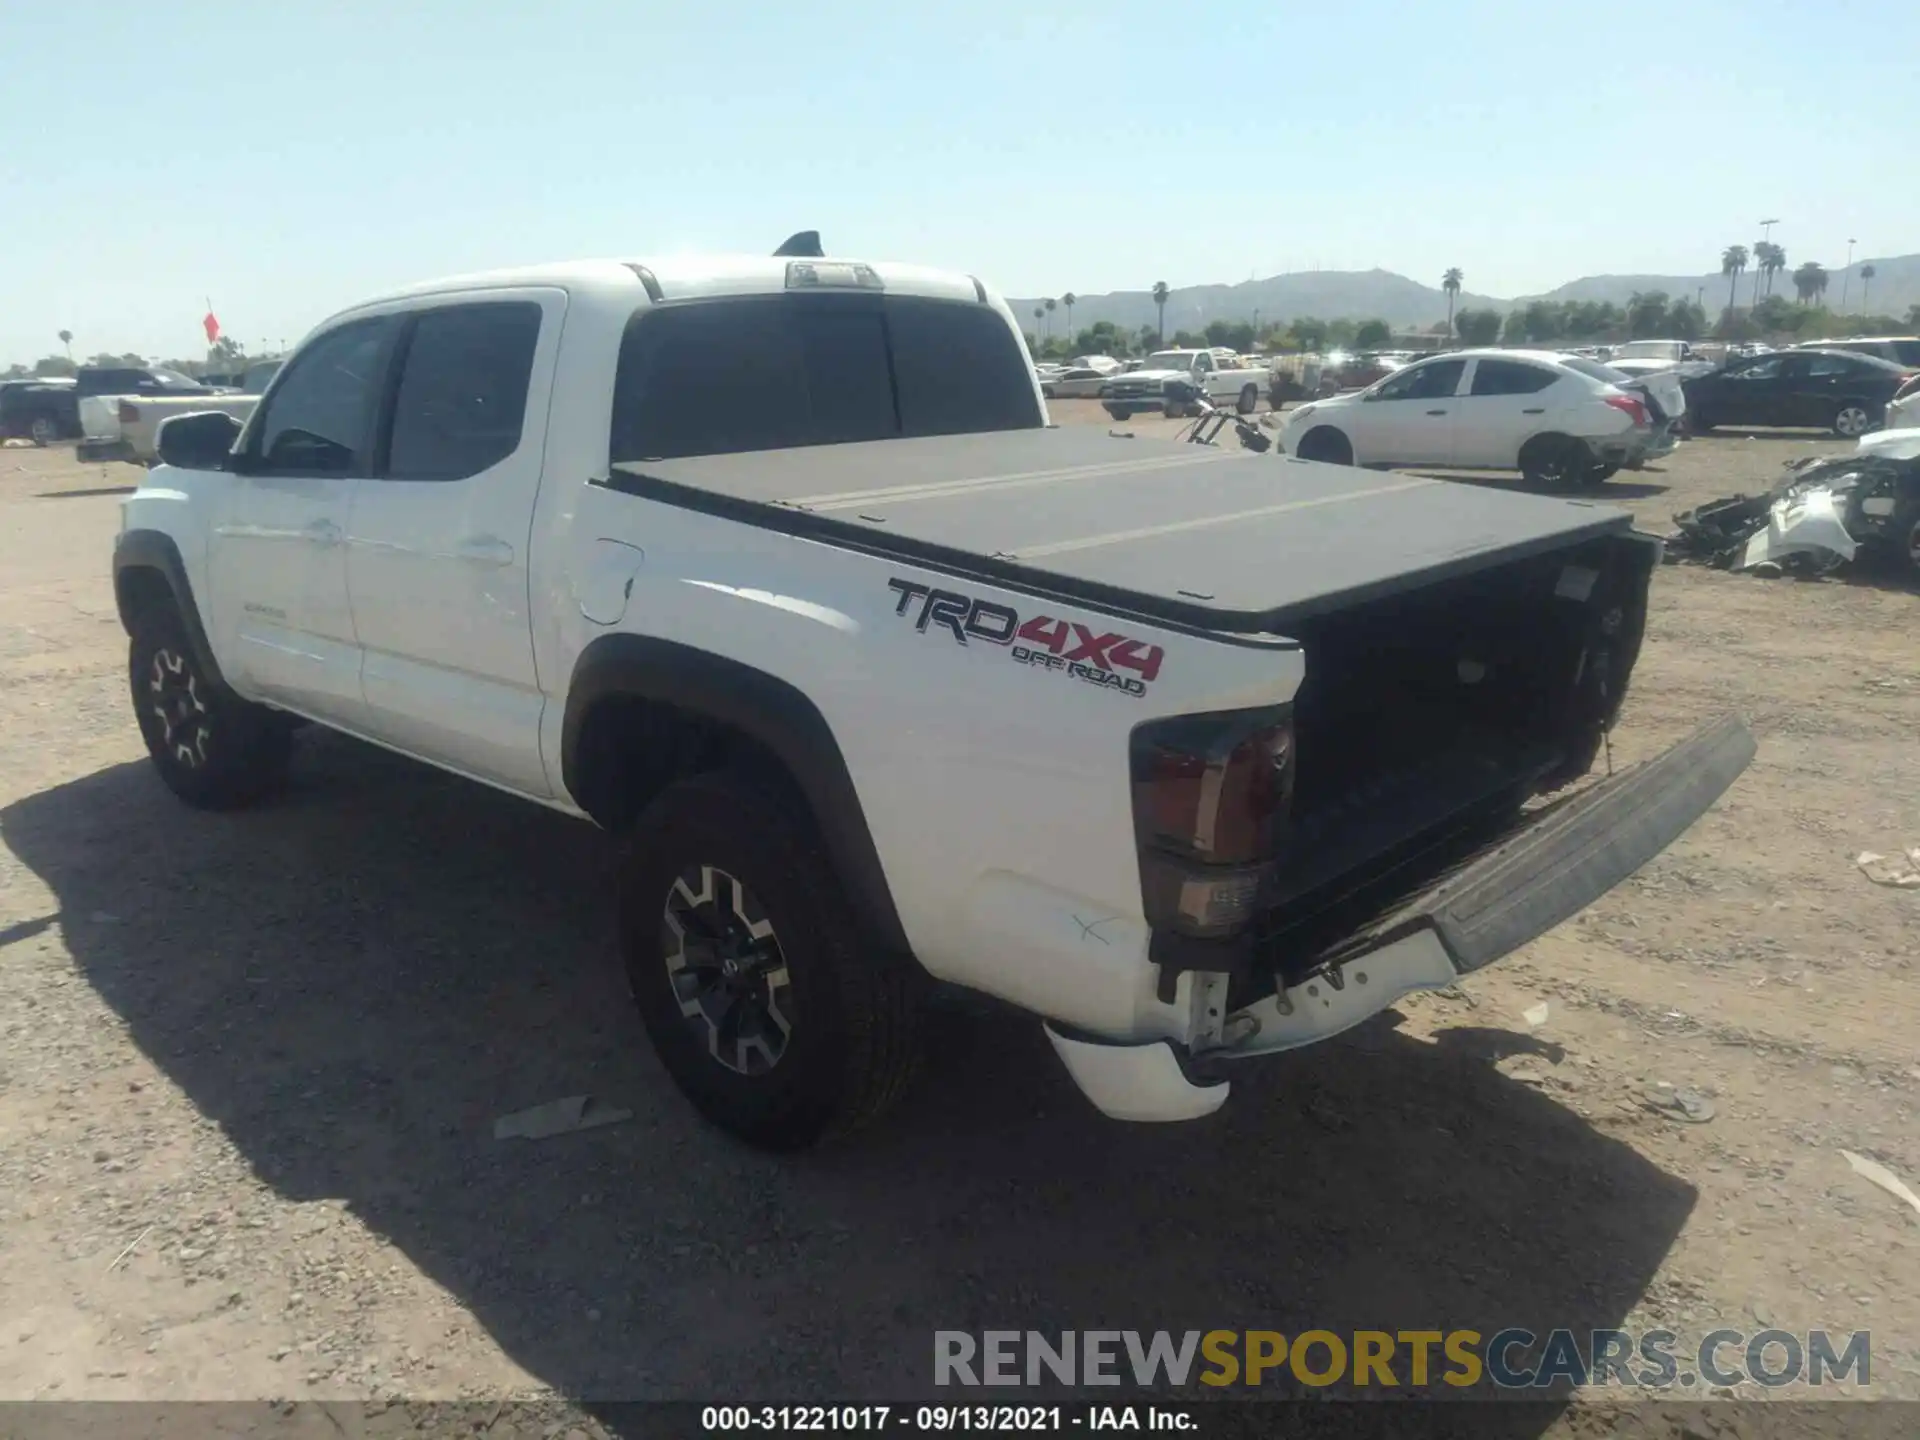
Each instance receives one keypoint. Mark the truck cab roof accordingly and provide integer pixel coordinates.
(687, 277)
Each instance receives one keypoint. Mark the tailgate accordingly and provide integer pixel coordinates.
(1562, 858)
(100, 417)
(1663, 389)
(1546, 869)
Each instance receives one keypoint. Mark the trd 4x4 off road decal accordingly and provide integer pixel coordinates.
(1087, 652)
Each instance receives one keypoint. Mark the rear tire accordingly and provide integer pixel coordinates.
(1555, 462)
(1120, 412)
(1852, 420)
(44, 431)
(1326, 445)
(748, 966)
(212, 749)
(1249, 399)
(1698, 424)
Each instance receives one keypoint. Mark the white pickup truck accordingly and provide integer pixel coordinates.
(127, 427)
(774, 567)
(1217, 374)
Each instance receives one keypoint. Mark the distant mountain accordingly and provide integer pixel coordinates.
(1407, 304)
(1361, 294)
(1895, 286)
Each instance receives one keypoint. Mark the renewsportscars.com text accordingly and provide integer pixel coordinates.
(1509, 1359)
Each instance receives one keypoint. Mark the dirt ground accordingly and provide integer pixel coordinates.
(251, 1063)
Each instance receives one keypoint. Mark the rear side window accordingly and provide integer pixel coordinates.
(319, 419)
(110, 382)
(1905, 352)
(1510, 377)
(462, 398)
(768, 373)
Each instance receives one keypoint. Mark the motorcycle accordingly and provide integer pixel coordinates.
(1210, 421)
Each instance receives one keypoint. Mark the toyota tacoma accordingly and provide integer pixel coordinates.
(775, 568)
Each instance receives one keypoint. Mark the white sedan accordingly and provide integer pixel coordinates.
(1558, 419)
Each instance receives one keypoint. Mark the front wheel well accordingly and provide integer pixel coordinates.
(140, 591)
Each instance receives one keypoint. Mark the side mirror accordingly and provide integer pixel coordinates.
(200, 441)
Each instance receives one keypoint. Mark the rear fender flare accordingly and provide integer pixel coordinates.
(141, 553)
(766, 709)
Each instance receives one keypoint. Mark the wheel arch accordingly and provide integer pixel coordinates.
(1327, 431)
(148, 570)
(689, 710)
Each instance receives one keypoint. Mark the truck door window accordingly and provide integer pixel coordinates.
(319, 419)
(462, 397)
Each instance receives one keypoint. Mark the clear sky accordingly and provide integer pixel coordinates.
(285, 158)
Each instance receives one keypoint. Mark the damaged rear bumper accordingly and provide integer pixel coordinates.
(1554, 863)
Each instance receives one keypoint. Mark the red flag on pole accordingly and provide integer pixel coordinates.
(211, 324)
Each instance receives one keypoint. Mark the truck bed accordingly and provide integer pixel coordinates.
(1217, 539)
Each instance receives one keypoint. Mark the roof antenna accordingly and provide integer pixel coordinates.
(805, 244)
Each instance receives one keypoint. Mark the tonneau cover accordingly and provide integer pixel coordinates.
(1196, 535)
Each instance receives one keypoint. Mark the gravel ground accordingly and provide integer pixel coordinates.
(251, 1063)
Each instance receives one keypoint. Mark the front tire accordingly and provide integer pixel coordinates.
(212, 749)
(44, 431)
(748, 967)
(1120, 412)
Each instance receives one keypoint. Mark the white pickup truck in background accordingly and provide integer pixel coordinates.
(1218, 374)
(127, 427)
(774, 567)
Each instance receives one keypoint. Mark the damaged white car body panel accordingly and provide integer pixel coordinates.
(1807, 523)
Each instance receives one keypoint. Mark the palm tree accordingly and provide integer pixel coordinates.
(66, 339)
(1772, 260)
(1051, 303)
(1733, 260)
(1067, 300)
(1809, 281)
(1160, 293)
(1867, 272)
(1450, 282)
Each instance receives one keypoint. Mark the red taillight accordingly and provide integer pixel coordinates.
(1210, 799)
(1630, 405)
(129, 413)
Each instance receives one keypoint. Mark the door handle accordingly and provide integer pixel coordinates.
(321, 532)
(484, 550)
(1436, 412)
(1536, 410)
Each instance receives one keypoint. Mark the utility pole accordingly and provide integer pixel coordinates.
(1846, 275)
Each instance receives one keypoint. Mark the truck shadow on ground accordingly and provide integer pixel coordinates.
(355, 982)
